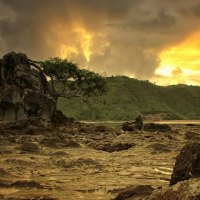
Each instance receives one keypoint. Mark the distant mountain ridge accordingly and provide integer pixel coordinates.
(127, 96)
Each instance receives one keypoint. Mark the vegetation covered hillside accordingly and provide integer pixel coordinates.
(127, 96)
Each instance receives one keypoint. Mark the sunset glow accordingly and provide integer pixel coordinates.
(181, 63)
(83, 41)
(146, 40)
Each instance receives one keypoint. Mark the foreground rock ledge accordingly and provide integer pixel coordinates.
(187, 163)
(185, 190)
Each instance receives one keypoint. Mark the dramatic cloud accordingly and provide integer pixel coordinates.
(128, 37)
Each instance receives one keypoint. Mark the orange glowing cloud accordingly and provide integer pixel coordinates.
(69, 40)
(181, 63)
(83, 38)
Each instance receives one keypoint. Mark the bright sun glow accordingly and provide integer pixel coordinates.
(165, 70)
(181, 63)
(66, 50)
(84, 39)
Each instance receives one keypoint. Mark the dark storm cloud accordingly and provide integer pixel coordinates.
(161, 22)
(126, 35)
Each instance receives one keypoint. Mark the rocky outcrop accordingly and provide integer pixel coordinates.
(131, 126)
(152, 127)
(23, 89)
(187, 163)
(111, 147)
(192, 136)
(134, 192)
(128, 126)
(185, 190)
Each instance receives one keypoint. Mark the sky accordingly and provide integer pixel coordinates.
(155, 40)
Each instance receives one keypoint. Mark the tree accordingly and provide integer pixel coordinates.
(68, 80)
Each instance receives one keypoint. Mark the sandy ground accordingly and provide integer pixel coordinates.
(70, 163)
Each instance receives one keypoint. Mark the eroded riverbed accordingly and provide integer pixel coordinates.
(78, 163)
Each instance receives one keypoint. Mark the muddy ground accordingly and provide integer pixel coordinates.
(80, 161)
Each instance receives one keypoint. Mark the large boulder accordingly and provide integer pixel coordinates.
(187, 163)
(23, 90)
(132, 126)
(127, 126)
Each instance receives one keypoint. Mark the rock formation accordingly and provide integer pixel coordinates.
(152, 127)
(187, 163)
(23, 89)
(185, 190)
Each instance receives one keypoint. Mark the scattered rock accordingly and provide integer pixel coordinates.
(4, 173)
(128, 126)
(60, 154)
(159, 148)
(131, 126)
(81, 162)
(192, 135)
(86, 128)
(30, 130)
(29, 147)
(59, 118)
(27, 184)
(185, 190)
(59, 143)
(112, 147)
(5, 151)
(191, 125)
(133, 192)
(19, 163)
(101, 128)
(187, 163)
(152, 127)
(25, 139)
(71, 143)
(4, 183)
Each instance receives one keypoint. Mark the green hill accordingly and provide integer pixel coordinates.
(126, 96)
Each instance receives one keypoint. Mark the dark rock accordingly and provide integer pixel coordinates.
(192, 135)
(19, 163)
(30, 131)
(23, 125)
(100, 128)
(152, 127)
(29, 147)
(131, 126)
(60, 154)
(185, 190)
(159, 148)
(4, 183)
(138, 122)
(23, 90)
(187, 163)
(59, 143)
(5, 151)
(133, 192)
(52, 142)
(59, 118)
(112, 147)
(127, 126)
(86, 128)
(191, 125)
(27, 184)
(4, 173)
